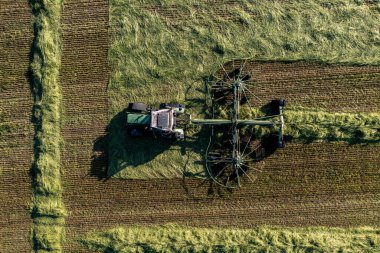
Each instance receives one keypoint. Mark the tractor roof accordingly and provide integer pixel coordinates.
(163, 119)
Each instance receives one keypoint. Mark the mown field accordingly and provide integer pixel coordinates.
(16, 130)
(304, 185)
(316, 184)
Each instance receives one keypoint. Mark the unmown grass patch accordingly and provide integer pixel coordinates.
(47, 206)
(175, 238)
(163, 50)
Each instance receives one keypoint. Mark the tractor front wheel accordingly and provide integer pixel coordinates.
(137, 107)
(135, 132)
(279, 102)
(281, 144)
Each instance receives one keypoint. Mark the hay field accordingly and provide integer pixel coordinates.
(318, 184)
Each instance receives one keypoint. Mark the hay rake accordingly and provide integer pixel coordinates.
(228, 159)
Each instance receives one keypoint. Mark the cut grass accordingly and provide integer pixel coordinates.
(159, 57)
(314, 125)
(174, 238)
(47, 207)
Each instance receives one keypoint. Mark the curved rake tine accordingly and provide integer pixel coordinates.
(221, 81)
(241, 68)
(218, 79)
(220, 172)
(228, 179)
(245, 173)
(225, 107)
(216, 161)
(218, 99)
(249, 102)
(237, 175)
(225, 72)
(252, 168)
(249, 140)
(251, 160)
(246, 78)
(229, 132)
(258, 146)
(253, 95)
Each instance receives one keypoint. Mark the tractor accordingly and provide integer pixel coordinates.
(225, 161)
(161, 122)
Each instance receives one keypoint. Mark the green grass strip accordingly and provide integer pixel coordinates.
(314, 125)
(47, 206)
(174, 238)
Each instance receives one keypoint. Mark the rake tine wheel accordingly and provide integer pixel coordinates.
(227, 163)
(235, 155)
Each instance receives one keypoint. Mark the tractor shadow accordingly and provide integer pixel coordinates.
(117, 150)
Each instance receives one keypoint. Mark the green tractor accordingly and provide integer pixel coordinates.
(161, 122)
(226, 161)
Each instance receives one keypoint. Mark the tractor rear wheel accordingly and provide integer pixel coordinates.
(279, 102)
(276, 104)
(137, 107)
(135, 132)
(281, 144)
